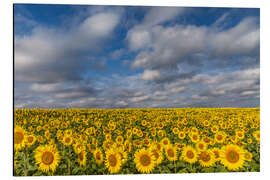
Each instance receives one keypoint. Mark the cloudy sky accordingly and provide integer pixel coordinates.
(135, 57)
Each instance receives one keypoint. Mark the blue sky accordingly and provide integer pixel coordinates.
(136, 56)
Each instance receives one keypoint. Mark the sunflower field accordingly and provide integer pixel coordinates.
(135, 141)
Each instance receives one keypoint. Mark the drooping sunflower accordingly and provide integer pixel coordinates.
(113, 161)
(145, 160)
(171, 153)
(123, 154)
(157, 154)
(47, 157)
(216, 152)
(128, 146)
(232, 157)
(19, 138)
(189, 154)
(206, 158)
(82, 158)
(78, 147)
(98, 155)
(248, 156)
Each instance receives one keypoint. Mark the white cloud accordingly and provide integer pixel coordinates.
(168, 46)
(150, 74)
(40, 55)
(157, 15)
(99, 25)
(139, 99)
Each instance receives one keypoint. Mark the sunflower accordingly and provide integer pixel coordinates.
(181, 135)
(256, 135)
(98, 155)
(249, 140)
(189, 154)
(201, 146)
(144, 160)
(194, 137)
(30, 140)
(113, 161)
(165, 142)
(119, 139)
(248, 156)
(67, 140)
(180, 146)
(240, 134)
(232, 156)
(144, 123)
(171, 153)
(215, 129)
(219, 137)
(47, 157)
(146, 142)
(19, 138)
(175, 130)
(206, 158)
(68, 132)
(82, 158)
(137, 143)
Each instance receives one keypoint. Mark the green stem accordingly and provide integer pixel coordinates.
(174, 167)
(25, 171)
(68, 159)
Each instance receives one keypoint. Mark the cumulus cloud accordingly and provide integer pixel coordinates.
(175, 44)
(53, 55)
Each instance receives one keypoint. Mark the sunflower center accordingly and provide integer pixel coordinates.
(47, 158)
(145, 160)
(112, 160)
(219, 137)
(165, 142)
(195, 137)
(190, 154)
(170, 152)
(18, 137)
(205, 157)
(232, 156)
(30, 139)
(67, 140)
(201, 146)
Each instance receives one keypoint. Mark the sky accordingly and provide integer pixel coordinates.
(135, 56)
